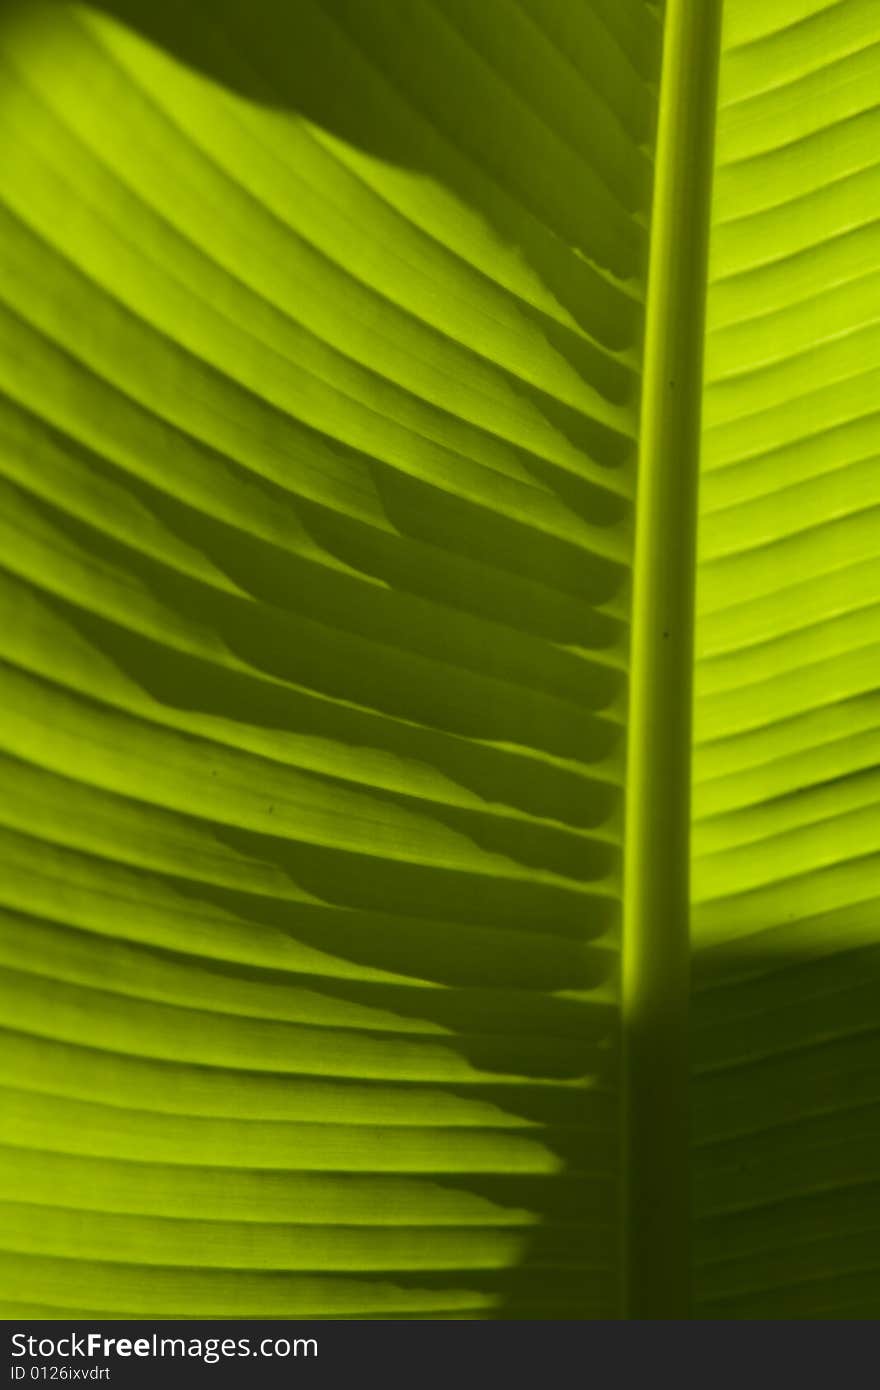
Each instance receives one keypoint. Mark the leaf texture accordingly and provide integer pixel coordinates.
(320, 371)
(318, 418)
(786, 831)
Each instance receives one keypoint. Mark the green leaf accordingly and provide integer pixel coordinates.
(786, 829)
(351, 387)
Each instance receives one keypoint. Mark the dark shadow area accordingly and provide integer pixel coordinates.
(376, 77)
(786, 1119)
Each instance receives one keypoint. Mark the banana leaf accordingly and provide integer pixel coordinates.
(438, 662)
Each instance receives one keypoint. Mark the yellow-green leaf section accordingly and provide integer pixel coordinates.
(786, 832)
(321, 356)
